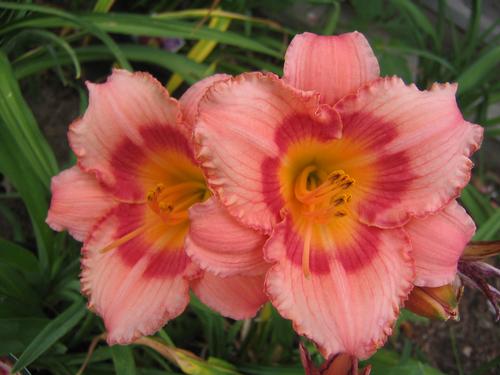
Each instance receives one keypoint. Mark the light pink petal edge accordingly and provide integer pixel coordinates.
(352, 297)
(438, 241)
(118, 111)
(334, 66)
(221, 245)
(236, 297)
(416, 144)
(78, 202)
(190, 99)
(138, 287)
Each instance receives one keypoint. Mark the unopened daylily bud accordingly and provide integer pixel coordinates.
(476, 273)
(340, 364)
(435, 303)
(478, 250)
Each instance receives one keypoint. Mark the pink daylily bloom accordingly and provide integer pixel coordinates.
(135, 195)
(354, 178)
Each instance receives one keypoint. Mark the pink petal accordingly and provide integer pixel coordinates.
(351, 299)
(130, 117)
(438, 240)
(236, 297)
(78, 202)
(219, 244)
(190, 99)
(236, 134)
(408, 150)
(138, 286)
(334, 66)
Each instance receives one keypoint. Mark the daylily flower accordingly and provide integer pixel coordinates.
(134, 197)
(354, 178)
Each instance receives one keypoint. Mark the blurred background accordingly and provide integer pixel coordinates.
(49, 48)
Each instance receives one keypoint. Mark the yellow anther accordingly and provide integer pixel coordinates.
(171, 202)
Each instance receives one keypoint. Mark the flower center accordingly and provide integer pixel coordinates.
(171, 203)
(322, 197)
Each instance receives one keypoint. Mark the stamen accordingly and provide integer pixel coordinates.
(320, 203)
(307, 250)
(171, 202)
(335, 182)
(188, 202)
(129, 236)
(182, 187)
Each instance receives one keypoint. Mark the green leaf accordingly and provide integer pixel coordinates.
(213, 325)
(25, 157)
(52, 38)
(123, 359)
(20, 123)
(395, 65)
(14, 284)
(74, 20)
(398, 50)
(143, 25)
(490, 229)
(476, 204)
(332, 20)
(12, 219)
(188, 69)
(17, 333)
(51, 333)
(387, 362)
(418, 17)
(252, 369)
(477, 72)
(472, 34)
(17, 256)
(103, 6)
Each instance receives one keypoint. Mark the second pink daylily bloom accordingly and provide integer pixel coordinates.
(353, 176)
(139, 202)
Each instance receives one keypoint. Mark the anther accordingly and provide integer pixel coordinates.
(347, 184)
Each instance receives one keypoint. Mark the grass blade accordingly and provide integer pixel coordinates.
(16, 256)
(143, 25)
(189, 70)
(51, 333)
(200, 51)
(74, 20)
(418, 17)
(20, 123)
(53, 38)
(476, 204)
(123, 359)
(476, 73)
(103, 6)
(489, 230)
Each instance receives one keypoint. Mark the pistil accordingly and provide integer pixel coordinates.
(321, 201)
